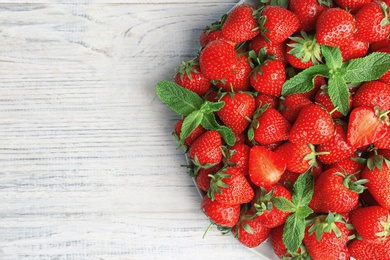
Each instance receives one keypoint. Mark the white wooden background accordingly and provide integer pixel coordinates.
(88, 166)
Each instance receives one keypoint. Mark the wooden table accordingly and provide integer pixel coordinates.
(88, 166)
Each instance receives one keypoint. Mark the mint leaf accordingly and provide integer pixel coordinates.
(303, 189)
(368, 68)
(190, 122)
(303, 212)
(179, 99)
(210, 123)
(293, 232)
(304, 81)
(339, 93)
(209, 107)
(332, 56)
(283, 204)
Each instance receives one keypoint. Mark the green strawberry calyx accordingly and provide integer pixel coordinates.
(263, 201)
(306, 48)
(351, 182)
(257, 60)
(385, 234)
(217, 182)
(339, 73)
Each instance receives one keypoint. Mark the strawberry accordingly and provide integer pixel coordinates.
(371, 94)
(356, 49)
(217, 59)
(372, 21)
(314, 125)
(221, 214)
(291, 105)
(264, 99)
(385, 77)
(371, 223)
(198, 131)
(375, 46)
(318, 83)
(188, 76)
(238, 108)
(239, 157)
(265, 166)
(303, 51)
(270, 126)
(308, 11)
(229, 186)
(326, 237)
(337, 147)
(352, 5)
(212, 32)
(278, 23)
(366, 126)
(335, 191)
(363, 250)
(249, 230)
(377, 172)
(206, 150)
(278, 50)
(349, 165)
(241, 24)
(298, 157)
(203, 179)
(268, 75)
(238, 79)
(268, 214)
(322, 98)
(384, 143)
(288, 179)
(280, 248)
(335, 27)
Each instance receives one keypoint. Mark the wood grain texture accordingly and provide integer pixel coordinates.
(89, 169)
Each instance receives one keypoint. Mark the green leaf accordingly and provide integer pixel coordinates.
(339, 93)
(303, 212)
(210, 107)
(179, 99)
(190, 122)
(293, 232)
(283, 204)
(304, 81)
(368, 68)
(210, 123)
(303, 189)
(332, 56)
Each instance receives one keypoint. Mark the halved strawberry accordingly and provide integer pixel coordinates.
(265, 166)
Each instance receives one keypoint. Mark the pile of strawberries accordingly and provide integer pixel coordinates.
(285, 120)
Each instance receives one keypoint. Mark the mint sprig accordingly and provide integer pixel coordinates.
(195, 110)
(294, 228)
(339, 73)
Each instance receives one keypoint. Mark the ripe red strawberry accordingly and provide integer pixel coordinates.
(371, 223)
(268, 214)
(203, 179)
(221, 214)
(265, 166)
(335, 27)
(366, 126)
(280, 248)
(241, 24)
(278, 23)
(384, 143)
(268, 75)
(249, 230)
(372, 21)
(238, 79)
(229, 186)
(206, 150)
(318, 83)
(291, 105)
(217, 59)
(335, 191)
(239, 157)
(270, 127)
(212, 32)
(386, 77)
(322, 98)
(314, 125)
(378, 174)
(303, 51)
(308, 11)
(356, 49)
(189, 76)
(278, 50)
(337, 147)
(326, 237)
(288, 179)
(376, 46)
(363, 250)
(298, 157)
(198, 131)
(349, 165)
(238, 108)
(352, 5)
(371, 94)
(264, 99)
